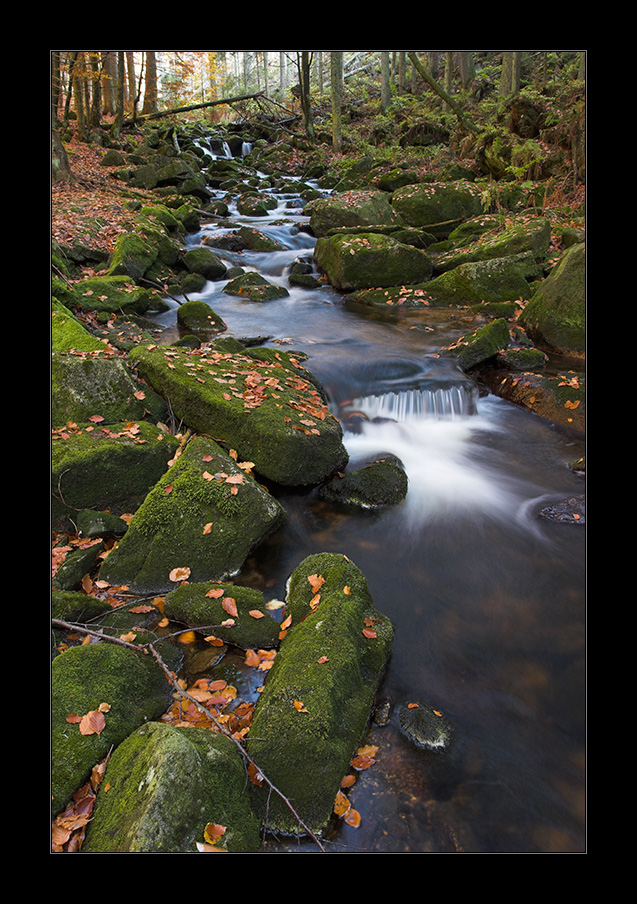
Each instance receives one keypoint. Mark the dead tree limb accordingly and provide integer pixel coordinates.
(201, 106)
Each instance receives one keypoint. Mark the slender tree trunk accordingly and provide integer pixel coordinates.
(305, 66)
(116, 128)
(336, 83)
(385, 93)
(464, 120)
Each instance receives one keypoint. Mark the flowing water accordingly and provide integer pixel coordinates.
(488, 599)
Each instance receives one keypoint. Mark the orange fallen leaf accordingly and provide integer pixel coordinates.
(213, 832)
(369, 632)
(341, 804)
(255, 613)
(352, 818)
(300, 706)
(316, 582)
(215, 593)
(230, 606)
(179, 574)
(92, 723)
(187, 637)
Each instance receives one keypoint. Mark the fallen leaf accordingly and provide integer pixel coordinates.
(316, 582)
(299, 706)
(230, 606)
(179, 574)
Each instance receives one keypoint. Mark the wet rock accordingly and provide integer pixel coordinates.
(567, 511)
(199, 523)
(368, 260)
(425, 727)
(163, 785)
(381, 483)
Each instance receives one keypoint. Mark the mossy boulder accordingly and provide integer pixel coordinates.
(111, 469)
(555, 317)
(254, 205)
(98, 384)
(133, 256)
(199, 522)
(109, 294)
(481, 345)
(560, 398)
(378, 484)
(234, 614)
(358, 261)
(255, 240)
(131, 689)
(491, 281)
(205, 262)
(263, 404)
(524, 234)
(358, 207)
(252, 286)
(437, 206)
(318, 696)
(198, 317)
(68, 334)
(163, 785)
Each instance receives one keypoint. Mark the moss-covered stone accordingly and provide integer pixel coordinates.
(370, 260)
(438, 206)
(68, 334)
(317, 700)
(84, 386)
(251, 286)
(134, 689)
(255, 240)
(111, 469)
(378, 484)
(164, 786)
(133, 256)
(203, 518)
(110, 294)
(205, 262)
(266, 407)
(358, 207)
(526, 234)
(493, 281)
(555, 317)
(199, 317)
(212, 606)
(480, 345)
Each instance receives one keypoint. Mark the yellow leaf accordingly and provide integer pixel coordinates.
(299, 706)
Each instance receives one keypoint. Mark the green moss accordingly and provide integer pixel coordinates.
(327, 664)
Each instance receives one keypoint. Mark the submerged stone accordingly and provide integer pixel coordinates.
(199, 523)
(318, 696)
(163, 786)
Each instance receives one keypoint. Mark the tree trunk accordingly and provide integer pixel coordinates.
(336, 79)
(465, 122)
(150, 85)
(385, 93)
(60, 169)
(116, 128)
(305, 66)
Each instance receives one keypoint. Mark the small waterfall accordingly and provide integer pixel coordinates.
(246, 148)
(415, 404)
(226, 149)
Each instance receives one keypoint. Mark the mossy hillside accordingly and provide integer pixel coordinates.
(317, 700)
(107, 468)
(212, 604)
(162, 787)
(205, 515)
(267, 408)
(132, 685)
(370, 260)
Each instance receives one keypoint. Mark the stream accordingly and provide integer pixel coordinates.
(488, 600)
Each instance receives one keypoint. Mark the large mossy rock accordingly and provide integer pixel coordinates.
(359, 207)
(318, 696)
(251, 286)
(133, 256)
(129, 687)
(205, 262)
(491, 281)
(106, 468)
(239, 615)
(438, 206)
(555, 317)
(354, 262)
(526, 234)
(163, 785)
(92, 385)
(200, 521)
(108, 294)
(263, 404)
(199, 318)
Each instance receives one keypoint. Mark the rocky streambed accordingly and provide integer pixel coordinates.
(183, 447)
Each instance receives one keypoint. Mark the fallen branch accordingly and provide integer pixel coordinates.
(145, 648)
(201, 106)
